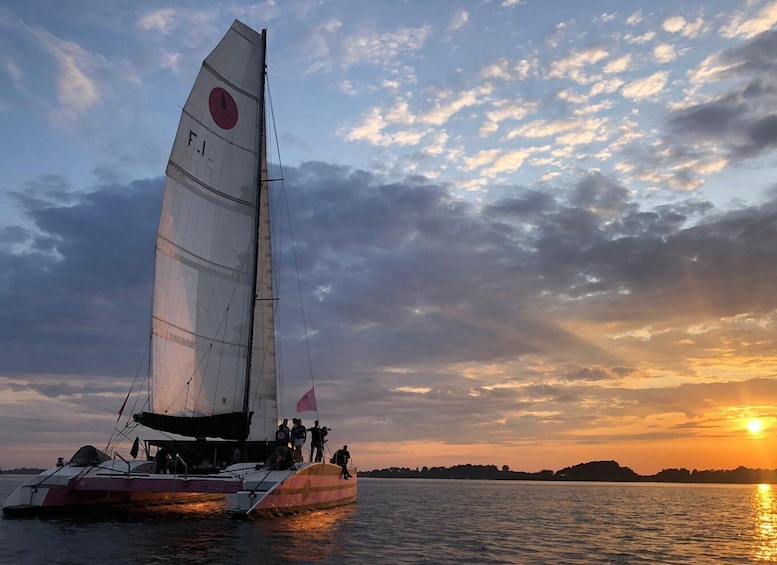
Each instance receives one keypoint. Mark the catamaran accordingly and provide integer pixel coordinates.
(213, 371)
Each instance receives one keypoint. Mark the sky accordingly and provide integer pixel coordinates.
(529, 233)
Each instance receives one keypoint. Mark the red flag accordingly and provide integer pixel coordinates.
(307, 402)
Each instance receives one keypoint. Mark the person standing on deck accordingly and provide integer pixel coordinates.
(317, 440)
(288, 431)
(298, 435)
(282, 436)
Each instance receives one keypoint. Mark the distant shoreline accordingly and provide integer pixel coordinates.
(603, 471)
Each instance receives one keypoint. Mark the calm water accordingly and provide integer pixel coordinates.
(424, 521)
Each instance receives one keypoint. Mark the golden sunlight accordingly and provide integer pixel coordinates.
(764, 519)
(754, 426)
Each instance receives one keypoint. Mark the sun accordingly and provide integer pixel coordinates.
(754, 426)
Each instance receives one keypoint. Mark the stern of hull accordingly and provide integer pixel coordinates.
(313, 487)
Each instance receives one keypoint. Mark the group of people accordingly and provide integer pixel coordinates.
(289, 442)
(295, 438)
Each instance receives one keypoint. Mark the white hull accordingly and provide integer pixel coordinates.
(112, 484)
(259, 492)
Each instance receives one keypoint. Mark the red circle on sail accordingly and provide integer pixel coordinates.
(223, 108)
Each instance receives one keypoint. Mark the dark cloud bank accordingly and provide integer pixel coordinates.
(404, 284)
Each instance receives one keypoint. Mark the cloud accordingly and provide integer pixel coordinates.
(579, 274)
(390, 126)
(172, 35)
(592, 258)
(14, 72)
(160, 21)
(738, 118)
(504, 70)
(449, 103)
(618, 65)
(742, 26)
(566, 133)
(506, 110)
(646, 37)
(674, 24)
(678, 24)
(646, 87)
(571, 67)
(363, 47)
(664, 53)
(527, 310)
(80, 279)
(77, 86)
(458, 20)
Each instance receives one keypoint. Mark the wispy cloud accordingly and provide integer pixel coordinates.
(78, 88)
(365, 46)
(741, 25)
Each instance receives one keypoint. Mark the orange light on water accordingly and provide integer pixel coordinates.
(765, 523)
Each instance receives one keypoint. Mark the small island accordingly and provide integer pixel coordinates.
(607, 471)
(21, 471)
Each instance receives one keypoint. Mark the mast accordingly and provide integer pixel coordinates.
(260, 183)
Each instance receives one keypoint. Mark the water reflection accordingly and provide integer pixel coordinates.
(313, 536)
(205, 509)
(765, 523)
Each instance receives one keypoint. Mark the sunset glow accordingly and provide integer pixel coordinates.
(525, 233)
(754, 427)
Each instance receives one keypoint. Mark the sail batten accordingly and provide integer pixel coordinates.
(205, 65)
(207, 276)
(210, 189)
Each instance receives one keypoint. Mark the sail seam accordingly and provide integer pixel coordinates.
(201, 264)
(231, 84)
(182, 341)
(241, 33)
(208, 187)
(217, 134)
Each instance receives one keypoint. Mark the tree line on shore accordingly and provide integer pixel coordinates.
(607, 471)
(21, 471)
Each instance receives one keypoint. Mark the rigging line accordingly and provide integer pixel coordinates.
(222, 343)
(202, 381)
(278, 255)
(186, 400)
(186, 386)
(221, 328)
(124, 435)
(299, 291)
(206, 356)
(132, 386)
(283, 196)
(137, 397)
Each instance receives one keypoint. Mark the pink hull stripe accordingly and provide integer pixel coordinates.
(316, 487)
(158, 485)
(65, 498)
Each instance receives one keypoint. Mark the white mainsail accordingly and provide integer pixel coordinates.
(211, 279)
